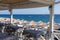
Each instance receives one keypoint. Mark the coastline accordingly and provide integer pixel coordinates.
(30, 23)
(30, 17)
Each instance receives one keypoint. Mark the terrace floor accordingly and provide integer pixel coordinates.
(5, 36)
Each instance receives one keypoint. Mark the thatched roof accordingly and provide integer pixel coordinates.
(16, 4)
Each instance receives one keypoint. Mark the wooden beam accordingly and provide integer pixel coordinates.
(12, 1)
(43, 1)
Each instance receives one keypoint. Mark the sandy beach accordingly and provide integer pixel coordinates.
(30, 23)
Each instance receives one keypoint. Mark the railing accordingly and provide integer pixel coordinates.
(57, 34)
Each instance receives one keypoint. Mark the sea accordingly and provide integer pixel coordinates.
(35, 17)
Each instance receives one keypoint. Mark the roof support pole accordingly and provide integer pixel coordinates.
(51, 28)
(11, 16)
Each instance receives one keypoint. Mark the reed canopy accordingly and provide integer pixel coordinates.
(16, 4)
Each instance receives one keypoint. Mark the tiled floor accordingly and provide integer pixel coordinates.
(5, 36)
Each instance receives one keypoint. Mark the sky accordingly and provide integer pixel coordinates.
(39, 10)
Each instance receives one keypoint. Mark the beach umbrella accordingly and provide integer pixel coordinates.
(41, 23)
(48, 23)
(3, 19)
(15, 21)
(25, 22)
(7, 20)
(21, 21)
(32, 23)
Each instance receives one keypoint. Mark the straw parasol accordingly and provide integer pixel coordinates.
(32, 23)
(15, 21)
(21, 21)
(41, 23)
(48, 22)
(25, 22)
(2, 19)
(7, 20)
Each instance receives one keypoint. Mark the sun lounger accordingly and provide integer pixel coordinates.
(34, 33)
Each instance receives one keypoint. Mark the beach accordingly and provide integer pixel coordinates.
(26, 22)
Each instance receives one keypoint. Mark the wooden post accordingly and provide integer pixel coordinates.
(51, 28)
(11, 15)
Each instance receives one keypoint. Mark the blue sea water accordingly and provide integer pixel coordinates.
(29, 17)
